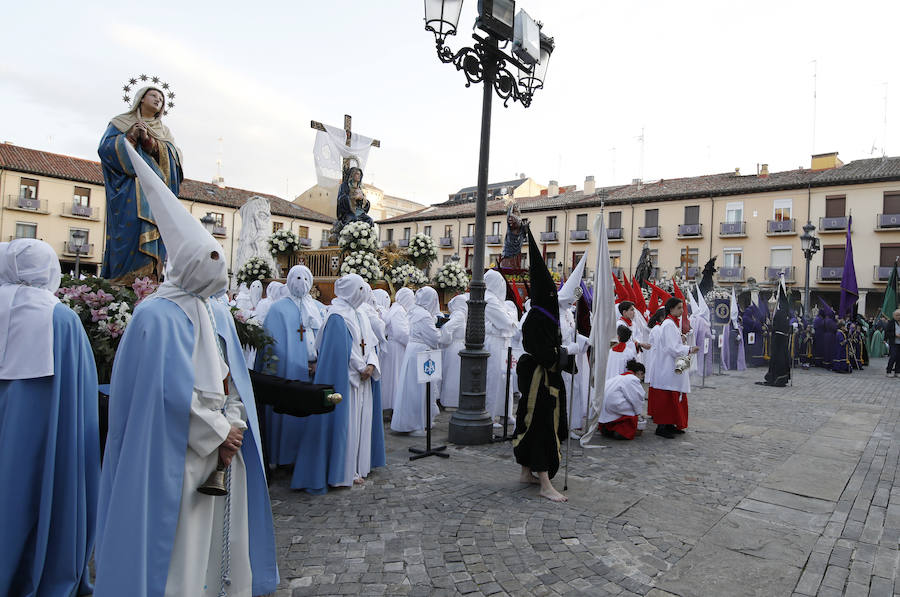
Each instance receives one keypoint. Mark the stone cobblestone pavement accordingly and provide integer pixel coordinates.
(771, 492)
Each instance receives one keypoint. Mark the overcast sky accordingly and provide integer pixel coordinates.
(714, 86)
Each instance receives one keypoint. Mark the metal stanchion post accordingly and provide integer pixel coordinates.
(428, 451)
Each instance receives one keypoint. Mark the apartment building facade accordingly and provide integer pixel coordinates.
(751, 223)
(51, 196)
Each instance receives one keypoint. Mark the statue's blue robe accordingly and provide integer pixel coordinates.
(132, 239)
(143, 466)
(323, 438)
(50, 470)
(283, 324)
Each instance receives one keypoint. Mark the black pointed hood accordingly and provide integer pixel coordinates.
(541, 335)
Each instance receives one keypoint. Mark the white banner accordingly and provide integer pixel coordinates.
(330, 150)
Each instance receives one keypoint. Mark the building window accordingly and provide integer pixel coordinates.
(406, 233)
(303, 231)
(550, 260)
(576, 257)
(833, 255)
(276, 226)
(427, 230)
(495, 228)
(782, 210)
(892, 203)
(326, 234)
(220, 218)
(733, 257)
(581, 222)
(494, 259)
(691, 214)
(448, 230)
(447, 259)
(26, 230)
(835, 206)
(28, 189)
(889, 253)
(734, 212)
(390, 235)
(651, 218)
(654, 257)
(470, 229)
(781, 257)
(615, 259)
(82, 197)
(551, 224)
(615, 219)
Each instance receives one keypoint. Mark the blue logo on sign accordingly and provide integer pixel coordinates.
(429, 367)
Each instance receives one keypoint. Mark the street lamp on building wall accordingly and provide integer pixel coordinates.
(810, 245)
(209, 222)
(485, 63)
(78, 238)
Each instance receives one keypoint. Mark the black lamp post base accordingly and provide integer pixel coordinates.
(471, 428)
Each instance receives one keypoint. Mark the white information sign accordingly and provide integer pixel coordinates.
(751, 338)
(720, 340)
(428, 365)
(706, 345)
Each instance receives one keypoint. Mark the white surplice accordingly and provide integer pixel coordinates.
(623, 397)
(619, 355)
(670, 348)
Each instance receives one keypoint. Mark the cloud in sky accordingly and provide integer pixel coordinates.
(714, 86)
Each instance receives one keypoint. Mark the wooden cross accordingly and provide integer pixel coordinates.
(347, 120)
(301, 330)
(686, 260)
(362, 345)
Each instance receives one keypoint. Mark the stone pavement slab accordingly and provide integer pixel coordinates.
(811, 476)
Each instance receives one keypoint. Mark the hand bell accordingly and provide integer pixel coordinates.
(215, 483)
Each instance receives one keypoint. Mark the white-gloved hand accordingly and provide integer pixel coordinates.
(571, 348)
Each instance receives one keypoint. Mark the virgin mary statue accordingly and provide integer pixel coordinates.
(133, 244)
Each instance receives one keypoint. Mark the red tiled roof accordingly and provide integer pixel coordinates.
(33, 161)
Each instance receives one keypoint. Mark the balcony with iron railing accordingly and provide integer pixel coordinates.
(887, 222)
(830, 274)
(446, 242)
(306, 243)
(403, 243)
(550, 236)
(732, 229)
(327, 243)
(617, 271)
(384, 243)
(69, 248)
(614, 234)
(468, 241)
(26, 204)
(731, 273)
(649, 233)
(835, 224)
(77, 210)
(882, 273)
(772, 273)
(579, 236)
(691, 271)
(219, 231)
(494, 239)
(781, 227)
(690, 231)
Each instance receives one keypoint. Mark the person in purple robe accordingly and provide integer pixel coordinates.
(840, 362)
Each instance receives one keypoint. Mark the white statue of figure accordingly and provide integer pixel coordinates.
(256, 228)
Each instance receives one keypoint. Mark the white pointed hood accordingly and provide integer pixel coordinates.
(702, 307)
(566, 294)
(195, 270)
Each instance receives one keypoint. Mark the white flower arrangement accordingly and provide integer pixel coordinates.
(451, 276)
(284, 242)
(717, 293)
(363, 263)
(406, 274)
(254, 269)
(421, 249)
(358, 236)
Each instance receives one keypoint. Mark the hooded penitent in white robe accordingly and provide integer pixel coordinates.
(499, 328)
(409, 394)
(262, 308)
(578, 389)
(453, 338)
(623, 397)
(396, 330)
(351, 292)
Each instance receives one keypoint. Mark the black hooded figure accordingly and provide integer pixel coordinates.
(541, 421)
(779, 372)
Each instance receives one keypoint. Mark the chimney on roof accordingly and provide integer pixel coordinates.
(764, 171)
(737, 171)
(826, 161)
(589, 186)
(522, 176)
(553, 189)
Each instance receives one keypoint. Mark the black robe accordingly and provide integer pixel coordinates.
(779, 372)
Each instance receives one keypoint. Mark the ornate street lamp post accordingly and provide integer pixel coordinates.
(810, 245)
(78, 238)
(486, 63)
(209, 222)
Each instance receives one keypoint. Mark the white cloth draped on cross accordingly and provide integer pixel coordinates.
(330, 150)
